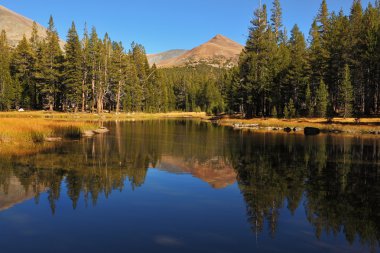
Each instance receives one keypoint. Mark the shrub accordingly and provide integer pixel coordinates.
(274, 112)
(70, 132)
(37, 137)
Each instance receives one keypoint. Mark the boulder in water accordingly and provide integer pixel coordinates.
(312, 131)
(53, 139)
(101, 130)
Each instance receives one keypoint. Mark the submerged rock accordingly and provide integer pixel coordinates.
(312, 131)
(240, 125)
(101, 130)
(53, 139)
(88, 133)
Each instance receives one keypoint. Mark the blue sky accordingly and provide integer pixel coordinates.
(167, 24)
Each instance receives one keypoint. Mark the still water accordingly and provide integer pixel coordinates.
(187, 186)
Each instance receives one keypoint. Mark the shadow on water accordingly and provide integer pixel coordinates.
(335, 179)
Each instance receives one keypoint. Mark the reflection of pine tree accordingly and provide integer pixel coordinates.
(340, 187)
(338, 177)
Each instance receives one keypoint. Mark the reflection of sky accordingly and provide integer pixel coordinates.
(169, 213)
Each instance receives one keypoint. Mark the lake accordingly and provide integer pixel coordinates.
(188, 186)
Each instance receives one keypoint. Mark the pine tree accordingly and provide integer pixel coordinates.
(286, 111)
(314, 57)
(356, 55)
(321, 100)
(22, 66)
(6, 90)
(51, 67)
(134, 93)
(323, 19)
(94, 64)
(276, 20)
(274, 112)
(347, 93)
(141, 89)
(370, 63)
(291, 109)
(35, 44)
(85, 67)
(257, 65)
(34, 38)
(337, 44)
(118, 63)
(73, 69)
(297, 76)
(308, 102)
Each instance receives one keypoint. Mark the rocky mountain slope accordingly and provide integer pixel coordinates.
(16, 26)
(157, 58)
(219, 51)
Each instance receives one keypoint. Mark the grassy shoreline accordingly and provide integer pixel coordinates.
(24, 127)
(104, 116)
(28, 132)
(335, 125)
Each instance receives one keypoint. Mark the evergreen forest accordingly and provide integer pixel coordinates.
(332, 71)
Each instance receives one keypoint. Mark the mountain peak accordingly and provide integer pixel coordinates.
(220, 37)
(219, 51)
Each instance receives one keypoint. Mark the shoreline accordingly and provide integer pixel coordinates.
(16, 127)
(340, 126)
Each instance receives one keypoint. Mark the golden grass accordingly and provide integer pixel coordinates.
(347, 125)
(103, 116)
(21, 130)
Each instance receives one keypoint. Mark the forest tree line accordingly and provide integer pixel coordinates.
(336, 72)
(96, 75)
(333, 72)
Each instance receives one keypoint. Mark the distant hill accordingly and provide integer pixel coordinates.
(16, 25)
(157, 58)
(219, 51)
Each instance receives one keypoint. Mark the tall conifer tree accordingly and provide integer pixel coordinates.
(72, 75)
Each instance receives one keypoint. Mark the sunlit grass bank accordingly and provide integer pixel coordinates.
(23, 129)
(35, 130)
(103, 116)
(343, 125)
(26, 132)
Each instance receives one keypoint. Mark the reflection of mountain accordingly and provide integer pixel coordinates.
(15, 193)
(216, 171)
(335, 179)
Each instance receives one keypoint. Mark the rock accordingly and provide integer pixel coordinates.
(240, 125)
(296, 129)
(101, 130)
(53, 139)
(287, 129)
(88, 133)
(312, 131)
(21, 110)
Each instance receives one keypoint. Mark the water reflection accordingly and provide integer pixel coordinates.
(335, 179)
(338, 178)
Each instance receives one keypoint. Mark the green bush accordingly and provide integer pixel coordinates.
(71, 132)
(37, 137)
